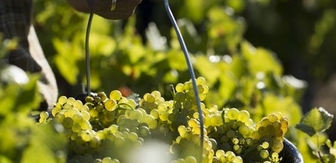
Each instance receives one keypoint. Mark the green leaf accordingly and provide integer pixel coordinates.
(316, 120)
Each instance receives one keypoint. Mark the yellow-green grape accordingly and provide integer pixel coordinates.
(200, 81)
(85, 125)
(265, 145)
(156, 94)
(115, 95)
(85, 115)
(85, 135)
(102, 96)
(67, 106)
(277, 145)
(113, 129)
(110, 104)
(144, 131)
(155, 113)
(89, 99)
(230, 155)
(84, 108)
(76, 128)
(77, 104)
(94, 142)
(182, 130)
(179, 87)
(136, 115)
(187, 86)
(232, 114)
(264, 154)
(235, 141)
(71, 112)
(272, 117)
(132, 103)
(243, 116)
(97, 160)
(133, 136)
(77, 118)
(55, 110)
(163, 115)
(59, 117)
(107, 160)
(244, 130)
(190, 159)
(179, 97)
(62, 100)
(231, 134)
(43, 116)
(149, 98)
(150, 121)
(93, 113)
(193, 123)
(71, 100)
(67, 122)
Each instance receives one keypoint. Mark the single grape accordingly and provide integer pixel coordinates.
(43, 116)
(190, 159)
(243, 116)
(232, 114)
(277, 145)
(264, 154)
(62, 100)
(179, 87)
(149, 98)
(115, 95)
(201, 81)
(110, 104)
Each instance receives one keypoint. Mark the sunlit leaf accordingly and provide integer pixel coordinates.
(316, 120)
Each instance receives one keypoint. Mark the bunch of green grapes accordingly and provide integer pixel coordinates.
(105, 128)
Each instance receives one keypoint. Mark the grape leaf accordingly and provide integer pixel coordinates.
(316, 120)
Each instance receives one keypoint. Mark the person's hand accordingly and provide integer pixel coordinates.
(121, 9)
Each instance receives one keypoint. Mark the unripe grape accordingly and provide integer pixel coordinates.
(89, 99)
(43, 116)
(264, 154)
(231, 134)
(149, 98)
(107, 160)
(200, 81)
(67, 122)
(102, 96)
(243, 116)
(95, 142)
(190, 159)
(179, 97)
(86, 136)
(93, 113)
(62, 100)
(76, 128)
(244, 130)
(136, 115)
(115, 95)
(55, 110)
(232, 114)
(71, 100)
(277, 145)
(85, 125)
(238, 159)
(110, 104)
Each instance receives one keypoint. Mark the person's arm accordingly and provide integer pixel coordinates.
(123, 8)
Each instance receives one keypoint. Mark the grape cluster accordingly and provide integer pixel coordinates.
(103, 129)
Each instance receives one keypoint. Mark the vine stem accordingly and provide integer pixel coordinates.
(87, 53)
(191, 71)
